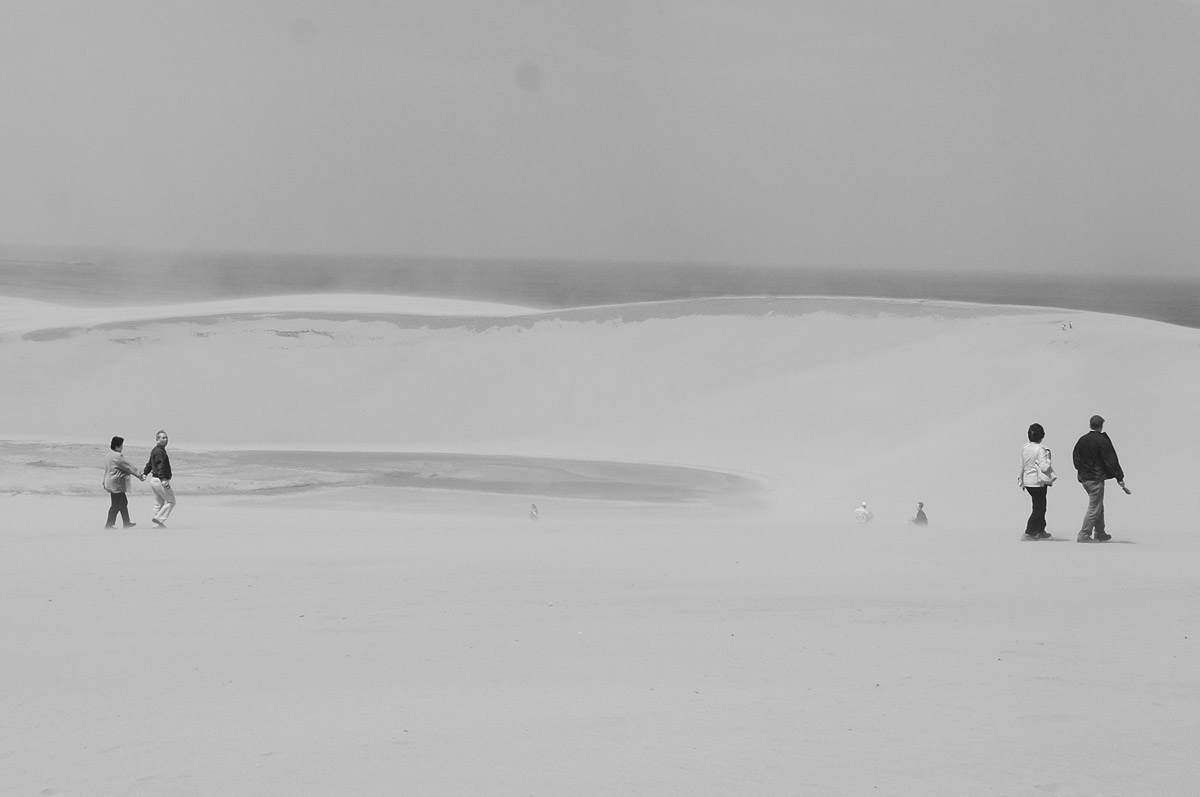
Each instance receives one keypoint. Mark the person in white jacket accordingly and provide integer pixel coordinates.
(117, 471)
(1037, 474)
(862, 514)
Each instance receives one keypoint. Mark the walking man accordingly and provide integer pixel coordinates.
(159, 469)
(1096, 461)
(117, 471)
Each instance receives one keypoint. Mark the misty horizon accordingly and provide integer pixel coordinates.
(998, 137)
(89, 277)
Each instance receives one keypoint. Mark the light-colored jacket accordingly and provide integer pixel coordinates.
(117, 471)
(1036, 470)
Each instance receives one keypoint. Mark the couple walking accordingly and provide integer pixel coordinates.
(1095, 461)
(117, 472)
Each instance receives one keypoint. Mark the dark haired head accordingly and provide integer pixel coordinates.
(1096, 422)
(116, 443)
(1036, 433)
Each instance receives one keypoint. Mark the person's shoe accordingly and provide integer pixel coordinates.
(1045, 535)
(1029, 538)
(129, 525)
(110, 527)
(1084, 538)
(1102, 537)
(159, 523)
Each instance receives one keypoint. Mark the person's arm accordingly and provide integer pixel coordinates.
(1044, 465)
(1108, 455)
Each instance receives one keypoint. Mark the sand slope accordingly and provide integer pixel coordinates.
(826, 402)
(317, 622)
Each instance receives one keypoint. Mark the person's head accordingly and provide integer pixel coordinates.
(1097, 423)
(1036, 433)
(117, 443)
(920, 504)
(161, 437)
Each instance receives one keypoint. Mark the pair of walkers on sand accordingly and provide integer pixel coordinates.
(117, 472)
(1095, 461)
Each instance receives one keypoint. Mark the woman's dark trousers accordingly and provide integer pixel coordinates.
(119, 504)
(1037, 518)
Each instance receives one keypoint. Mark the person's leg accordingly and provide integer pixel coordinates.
(1094, 517)
(168, 503)
(160, 498)
(1037, 517)
(123, 507)
(1037, 514)
(112, 510)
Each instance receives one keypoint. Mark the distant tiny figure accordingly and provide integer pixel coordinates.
(117, 471)
(159, 469)
(533, 512)
(1095, 461)
(919, 519)
(1037, 475)
(862, 514)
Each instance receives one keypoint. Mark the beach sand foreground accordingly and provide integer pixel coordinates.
(341, 637)
(275, 649)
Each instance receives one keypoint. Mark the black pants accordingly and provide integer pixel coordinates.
(119, 504)
(1037, 518)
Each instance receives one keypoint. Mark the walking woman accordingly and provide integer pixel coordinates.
(1037, 474)
(117, 471)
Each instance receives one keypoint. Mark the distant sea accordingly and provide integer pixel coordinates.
(90, 279)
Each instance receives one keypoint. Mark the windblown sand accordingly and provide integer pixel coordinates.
(350, 598)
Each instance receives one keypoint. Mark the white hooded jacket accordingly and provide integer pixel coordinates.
(1036, 470)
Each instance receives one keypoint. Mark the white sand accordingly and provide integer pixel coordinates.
(375, 641)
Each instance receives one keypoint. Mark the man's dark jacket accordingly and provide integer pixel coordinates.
(1096, 459)
(159, 465)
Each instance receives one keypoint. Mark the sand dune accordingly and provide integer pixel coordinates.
(350, 598)
(826, 402)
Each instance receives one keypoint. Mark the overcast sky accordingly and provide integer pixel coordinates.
(955, 134)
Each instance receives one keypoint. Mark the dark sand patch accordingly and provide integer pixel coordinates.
(273, 472)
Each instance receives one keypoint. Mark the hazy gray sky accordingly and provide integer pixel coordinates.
(956, 134)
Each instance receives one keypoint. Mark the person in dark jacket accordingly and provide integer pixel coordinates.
(159, 469)
(1096, 461)
(117, 471)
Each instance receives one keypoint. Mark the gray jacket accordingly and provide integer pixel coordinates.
(117, 471)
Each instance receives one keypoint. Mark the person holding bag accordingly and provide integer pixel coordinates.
(1037, 474)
